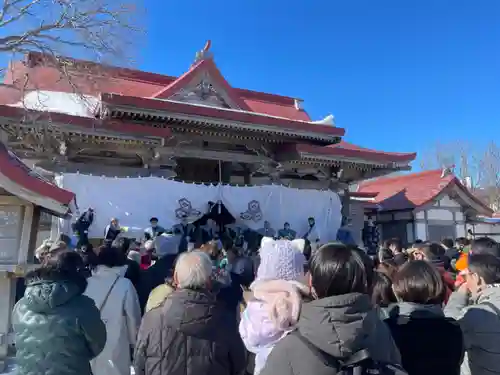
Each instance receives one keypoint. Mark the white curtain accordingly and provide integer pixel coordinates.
(278, 204)
(135, 200)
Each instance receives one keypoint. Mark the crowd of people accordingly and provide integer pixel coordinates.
(212, 310)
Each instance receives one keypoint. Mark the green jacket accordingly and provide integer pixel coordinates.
(57, 329)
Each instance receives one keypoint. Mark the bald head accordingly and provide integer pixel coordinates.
(193, 270)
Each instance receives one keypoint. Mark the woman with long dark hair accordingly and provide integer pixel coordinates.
(339, 323)
(57, 329)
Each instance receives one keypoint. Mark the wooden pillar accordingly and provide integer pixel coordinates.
(8, 297)
(247, 177)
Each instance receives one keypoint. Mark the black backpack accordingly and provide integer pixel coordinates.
(360, 363)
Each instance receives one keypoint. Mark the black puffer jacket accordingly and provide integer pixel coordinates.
(429, 343)
(190, 334)
(57, 329)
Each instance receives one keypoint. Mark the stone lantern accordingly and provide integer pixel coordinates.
(23, 196)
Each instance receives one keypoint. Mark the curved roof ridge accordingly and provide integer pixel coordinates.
(399, 177)
(351, 146)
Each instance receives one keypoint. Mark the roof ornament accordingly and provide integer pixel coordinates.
(298, 103)
(447, 171)
(205, 53)
(328, 120)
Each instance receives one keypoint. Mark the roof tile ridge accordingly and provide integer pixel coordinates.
(392, 179)
(362, 148)
(244, 111)
(176, 81)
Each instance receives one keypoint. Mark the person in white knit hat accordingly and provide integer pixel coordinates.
(277, 292)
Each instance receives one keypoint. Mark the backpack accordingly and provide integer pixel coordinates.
(360, 363)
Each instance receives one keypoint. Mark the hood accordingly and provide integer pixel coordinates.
(339, 325)
(102, 270)
(414, 310)
(271, 313)
(47, 289)
(490, 294)
(281, 300)
(192, 311)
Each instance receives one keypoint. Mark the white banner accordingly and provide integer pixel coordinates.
(133, 201)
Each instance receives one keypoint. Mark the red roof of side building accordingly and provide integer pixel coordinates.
(19, 180)
(413, 190)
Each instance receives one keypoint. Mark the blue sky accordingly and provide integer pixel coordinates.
(397, 75)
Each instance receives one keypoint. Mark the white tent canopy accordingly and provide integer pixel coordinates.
(135, 200)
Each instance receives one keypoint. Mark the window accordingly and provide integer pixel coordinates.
(45, 221)
(439, 232)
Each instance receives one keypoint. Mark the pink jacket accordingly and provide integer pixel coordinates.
(270, 316)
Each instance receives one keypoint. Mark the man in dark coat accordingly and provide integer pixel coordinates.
(189, 333)
(167, 251)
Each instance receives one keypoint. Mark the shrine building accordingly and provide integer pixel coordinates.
(429, 205)
(196, 127)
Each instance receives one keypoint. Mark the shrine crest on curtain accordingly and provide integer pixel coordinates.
(253, 212)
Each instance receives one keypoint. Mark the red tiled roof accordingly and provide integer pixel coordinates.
(13, 169)
(349, 150)
(86, 122)
(209, 67)
(218, 113)
(129, 82)
(411, 190)
(136, 88)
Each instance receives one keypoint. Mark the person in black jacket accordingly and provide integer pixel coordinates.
(112, 230)
(161, 270)
(82, 225)
(429, 343)
(189, 333)
(451, 253)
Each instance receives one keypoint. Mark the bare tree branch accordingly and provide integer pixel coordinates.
(103, 28)
(478, 169)
(93, 33)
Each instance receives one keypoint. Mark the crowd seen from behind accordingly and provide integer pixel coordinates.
(428, 309)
